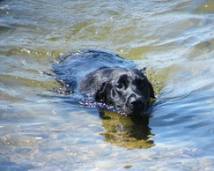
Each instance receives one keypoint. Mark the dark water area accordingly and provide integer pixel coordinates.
(41, 130)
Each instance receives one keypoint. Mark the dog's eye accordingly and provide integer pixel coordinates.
(122, 82)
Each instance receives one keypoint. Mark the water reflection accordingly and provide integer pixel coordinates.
(128, 132)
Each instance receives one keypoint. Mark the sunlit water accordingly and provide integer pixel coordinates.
(41, 130)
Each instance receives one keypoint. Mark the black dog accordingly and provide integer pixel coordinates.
(107, 79)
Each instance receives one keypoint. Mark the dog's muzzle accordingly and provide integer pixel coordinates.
(135, 104)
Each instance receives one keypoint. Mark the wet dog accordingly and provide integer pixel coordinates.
(107, 79)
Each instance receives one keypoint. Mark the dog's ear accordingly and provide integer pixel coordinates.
(143, 70)
(152, 93)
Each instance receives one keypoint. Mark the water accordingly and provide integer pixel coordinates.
(40, 130)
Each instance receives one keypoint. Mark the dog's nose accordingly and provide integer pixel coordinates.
(136, 103)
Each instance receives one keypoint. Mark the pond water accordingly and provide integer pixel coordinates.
(41, 130)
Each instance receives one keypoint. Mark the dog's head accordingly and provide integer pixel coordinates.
(127, 90)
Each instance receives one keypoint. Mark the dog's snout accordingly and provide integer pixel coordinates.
(135, 103)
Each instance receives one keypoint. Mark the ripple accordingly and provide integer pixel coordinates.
(42, 130)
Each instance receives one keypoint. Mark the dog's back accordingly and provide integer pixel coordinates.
(73, 68)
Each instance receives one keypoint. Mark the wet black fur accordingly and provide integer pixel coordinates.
(108, 79)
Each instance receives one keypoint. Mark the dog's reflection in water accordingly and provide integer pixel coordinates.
(129, 132)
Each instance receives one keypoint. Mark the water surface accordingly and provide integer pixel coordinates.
(41, 130)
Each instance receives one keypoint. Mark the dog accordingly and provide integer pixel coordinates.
(107, 79)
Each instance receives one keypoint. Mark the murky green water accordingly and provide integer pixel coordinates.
(40, 131)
